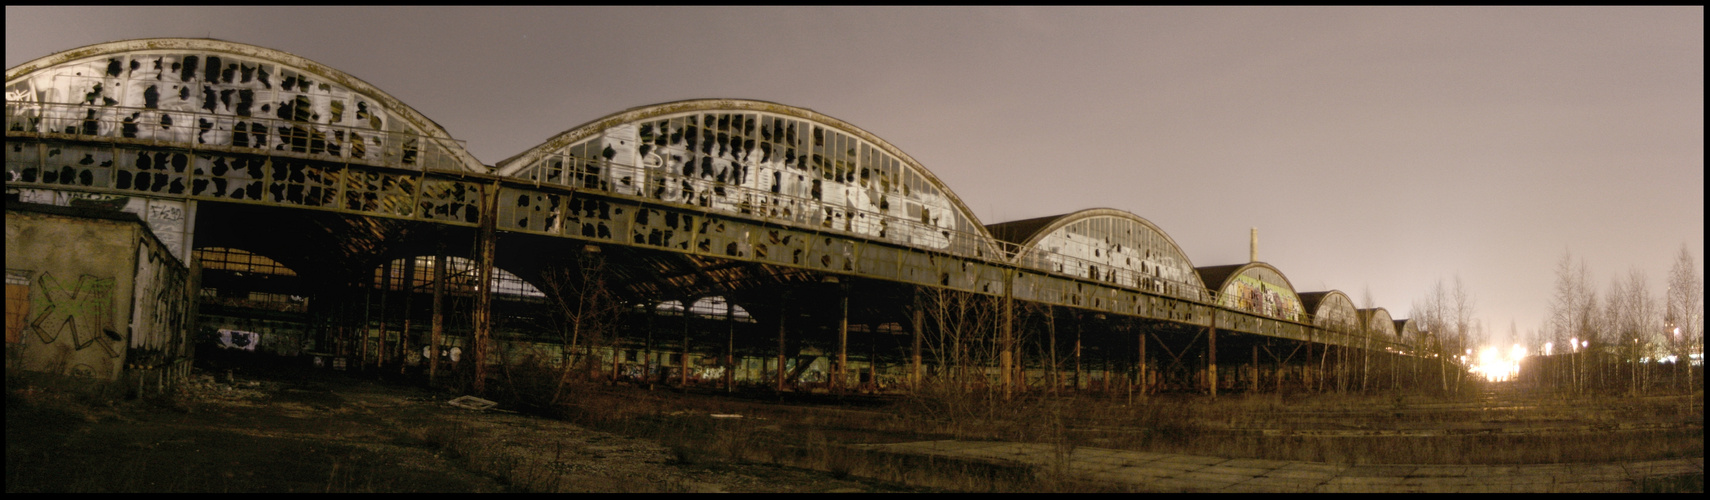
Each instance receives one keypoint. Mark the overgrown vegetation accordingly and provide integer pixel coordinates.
(814, 431)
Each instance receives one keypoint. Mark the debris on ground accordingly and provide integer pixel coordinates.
(472, 403)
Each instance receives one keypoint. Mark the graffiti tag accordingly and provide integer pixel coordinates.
(84, 309)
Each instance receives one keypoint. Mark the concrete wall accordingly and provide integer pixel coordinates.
(91, 292)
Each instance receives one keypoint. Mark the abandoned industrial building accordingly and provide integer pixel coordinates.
(169, 195)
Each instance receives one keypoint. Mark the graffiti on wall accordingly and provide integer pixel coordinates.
(1249, 293)
(79, 312)
(239, 339)
(158, 322)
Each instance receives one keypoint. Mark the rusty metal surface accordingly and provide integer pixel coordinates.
(689, 243)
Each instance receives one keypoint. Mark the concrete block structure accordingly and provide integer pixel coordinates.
(92, 293)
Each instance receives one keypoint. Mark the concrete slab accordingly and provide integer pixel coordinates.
(1488, 470)
(1440, 471)
(1224, 468)
(1298, 476)
(1172, 485)
(1191, 459)
(1144, 474)
(1593, 487)
(1177, 472)
(1313, 467)
(1165, 469)
(1441, 484)
(1278, 484)
(1145, 456)
(1665, 468)
(1366, 481)
(1380, 471)
(1213, 481)
(1255, 463)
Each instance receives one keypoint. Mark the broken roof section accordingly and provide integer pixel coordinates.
(205, 93)
(1103, 244)
(769, 161)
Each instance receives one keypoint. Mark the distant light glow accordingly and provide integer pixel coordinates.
(1549, 348)
(1495, 367)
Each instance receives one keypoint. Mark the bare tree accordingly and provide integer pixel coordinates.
(1368, 302)
(1429, 315)
(1684, 311)
(1574, 316)
(1634, 323)
(584, 313)
(962, 324)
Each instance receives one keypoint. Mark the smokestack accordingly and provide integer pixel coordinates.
(1253, 254)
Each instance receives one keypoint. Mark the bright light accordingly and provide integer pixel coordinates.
(1574, 343)
(1549, 348)
(1495, 368)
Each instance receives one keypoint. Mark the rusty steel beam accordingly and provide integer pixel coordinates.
(438, 314)
(487, 244)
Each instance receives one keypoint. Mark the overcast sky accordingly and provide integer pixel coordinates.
(1373, 148)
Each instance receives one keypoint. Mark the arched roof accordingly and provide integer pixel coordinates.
(1117, 245)
(1406, 330)
(766, 159)
(1331, 309)
(225, 84)
(1254, 287)
(1378, 323)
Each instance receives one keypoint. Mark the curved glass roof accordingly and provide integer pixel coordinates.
(1103, 244)
(211, 94)
(766, 160)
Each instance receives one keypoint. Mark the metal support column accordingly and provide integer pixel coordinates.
(1140, 378)
(916, 320)
(1006, 354)
(783, 312)
(872, 358)
(438, 315)
(1079, 371)
(1255, 369)
(840, 374)
(729, 346)
(683, 379)
(385, 289)
(1211, 369)
(409, 291)
(487, 246)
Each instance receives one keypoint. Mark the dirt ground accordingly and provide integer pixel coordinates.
(326, 432)
(303, 430)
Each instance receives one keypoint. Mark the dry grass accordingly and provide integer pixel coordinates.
(811, 436)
